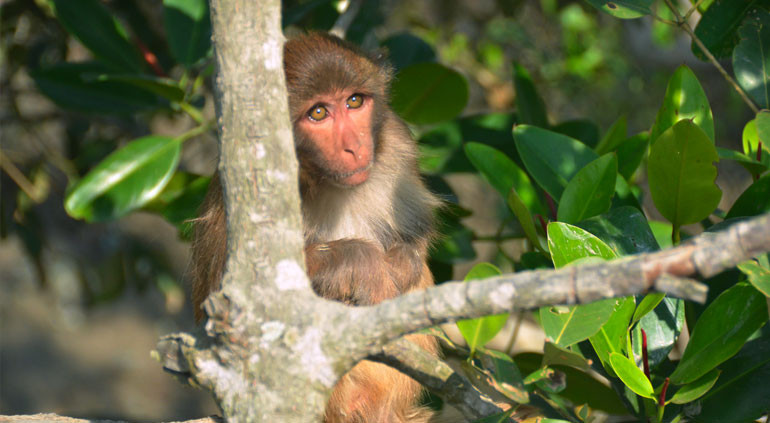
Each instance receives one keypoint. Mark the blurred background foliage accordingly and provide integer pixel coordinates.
(76, 291)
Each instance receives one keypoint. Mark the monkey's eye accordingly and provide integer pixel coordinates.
(317, 113)
(355, 101)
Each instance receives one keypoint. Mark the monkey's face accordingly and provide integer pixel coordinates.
(335, 135)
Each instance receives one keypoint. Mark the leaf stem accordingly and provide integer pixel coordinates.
(192, 111)
(682, 23)
(194, 132)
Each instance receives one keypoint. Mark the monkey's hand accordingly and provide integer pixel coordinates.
(353, 271)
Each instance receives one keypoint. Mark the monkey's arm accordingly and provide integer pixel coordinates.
(359, 272)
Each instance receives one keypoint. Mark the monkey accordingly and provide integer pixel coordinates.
(368, 216)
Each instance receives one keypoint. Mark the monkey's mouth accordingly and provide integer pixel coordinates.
(353, 178)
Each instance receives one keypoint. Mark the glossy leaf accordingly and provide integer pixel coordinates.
(76, 86)
(565, 326)
(631, 153)
(681, 174)
(751, 63)
(568, 243)
(552, 159)
(613, 335)
(93, 25)
(126, 180)
(188, 29)
(529, 105)
(742, 384)
(662, 326)
(428, 93)
(696, 389)
(568, 325)
(179, 201)
(614, 136)
(477, 332)
(754, 201)
(589, 192)
(751, 139)
(684, 100)
(647, 304)
(721, 331)
(625, 230)
(632, 376)
(623, 9)
(757, 275)
(718, 27)
(503, 174)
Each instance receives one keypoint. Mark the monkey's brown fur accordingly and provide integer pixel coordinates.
(363, 243)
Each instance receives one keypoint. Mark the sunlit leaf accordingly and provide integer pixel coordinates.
(632, 376)
(589, 192)
(751, 63)
(684, 100)
(477, 332)
(126, 180)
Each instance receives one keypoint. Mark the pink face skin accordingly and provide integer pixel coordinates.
(340, 127)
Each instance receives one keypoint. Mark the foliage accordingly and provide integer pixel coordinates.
(568, 188)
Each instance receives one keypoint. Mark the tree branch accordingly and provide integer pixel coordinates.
(663, 271)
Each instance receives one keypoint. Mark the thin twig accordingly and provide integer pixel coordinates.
(682, 23)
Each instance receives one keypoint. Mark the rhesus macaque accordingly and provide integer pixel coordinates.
(367, 215)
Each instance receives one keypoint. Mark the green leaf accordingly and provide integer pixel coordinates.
(99, 31)
(582, 130)
(648, 303)
(552, 159)
(742, 384)
(428, 93)
(623, 9)
(662, 327)
(751, 61)
(506, 374)
(565, 326)
(554, 354)
(631, 375)
(684, 100)
(751, 140)
(188, 29)
(752, 166)
(614, 136)
(721, 331)
(126, 180)
(754, 201)
(681, 174)
(525, 219)
(630, 154)
(164, 87)
(718, 27)
(441, 148)
(757, 275)
(662, 232)
(405, 49)
(503, 174)
(76, 86)
(625, 230)
(695, 390)
(613, 335)
(568, 243)
(582, 388)
(477, 332)
(589, 192)
(529, 105)
(179, 201)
